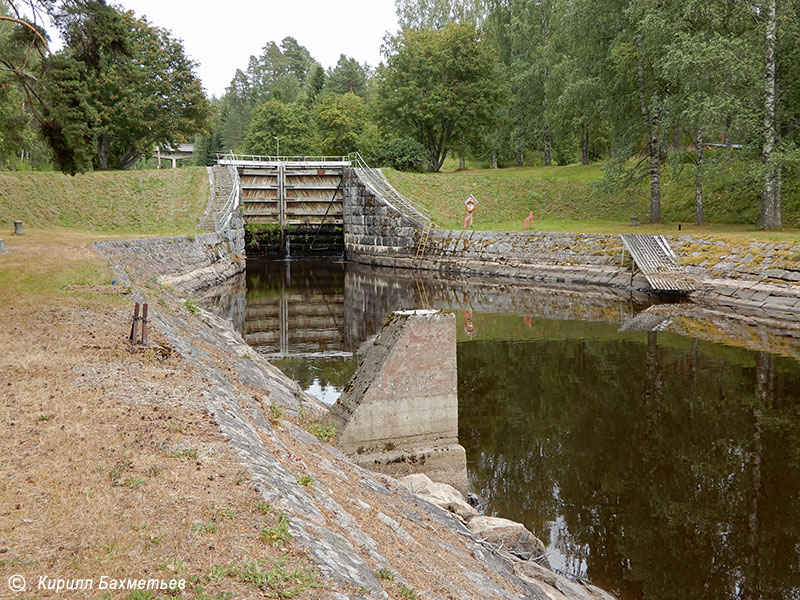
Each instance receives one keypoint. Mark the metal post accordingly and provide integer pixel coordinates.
(282, 206)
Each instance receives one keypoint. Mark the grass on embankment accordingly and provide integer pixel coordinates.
(154, 202)
(573, 198)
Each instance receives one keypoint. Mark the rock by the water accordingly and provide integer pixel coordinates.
(442, 495)
(509, 535)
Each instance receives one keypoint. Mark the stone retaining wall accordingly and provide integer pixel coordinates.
(755, 275)
(185, 263)
(372, 227)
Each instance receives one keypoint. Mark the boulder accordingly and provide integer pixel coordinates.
(509, 535)
(442, 495)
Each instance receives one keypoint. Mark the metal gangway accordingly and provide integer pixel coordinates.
(656, 260)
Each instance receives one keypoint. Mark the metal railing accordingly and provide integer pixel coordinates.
(244, 159)
(223, 216)
(387, 192)
(220, 218)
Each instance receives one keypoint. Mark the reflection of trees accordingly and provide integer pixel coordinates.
(679, 471)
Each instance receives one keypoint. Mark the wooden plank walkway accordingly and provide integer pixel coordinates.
(657, 262)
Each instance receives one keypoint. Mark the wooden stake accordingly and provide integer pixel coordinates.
(135, 325)
(144, 325)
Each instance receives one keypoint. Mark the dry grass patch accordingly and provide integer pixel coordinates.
(111, 464)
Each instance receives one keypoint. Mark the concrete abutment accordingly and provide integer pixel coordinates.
(399, 413)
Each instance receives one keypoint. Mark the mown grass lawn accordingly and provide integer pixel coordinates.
(148, 202)
(576, 198)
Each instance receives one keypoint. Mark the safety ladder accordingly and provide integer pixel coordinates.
(423, 239)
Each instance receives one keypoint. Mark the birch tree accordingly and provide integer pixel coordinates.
(771, 191)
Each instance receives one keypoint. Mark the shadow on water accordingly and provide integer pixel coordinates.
(655, 449)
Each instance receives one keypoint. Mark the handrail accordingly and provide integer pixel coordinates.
(390, 195)
(224, 159)
(223, 216)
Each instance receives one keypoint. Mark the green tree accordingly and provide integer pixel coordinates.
(151, 99)
(436, 14)
(117, 88)
(347, 76)
(438, 85)
(235, 111)
(280, 70)
(339, 120)
(708, 58)
(315, 82)
(287, 122)
(69, 124)
(20, 61)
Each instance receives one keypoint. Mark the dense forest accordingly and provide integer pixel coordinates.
(636, 84)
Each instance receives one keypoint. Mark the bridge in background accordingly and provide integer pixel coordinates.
(173, 155)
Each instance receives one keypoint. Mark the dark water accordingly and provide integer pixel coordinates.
(658, 464)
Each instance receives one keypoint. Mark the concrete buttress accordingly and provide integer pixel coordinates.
(399, 412)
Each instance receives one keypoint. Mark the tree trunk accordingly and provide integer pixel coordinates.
(651, 120)
(129, 158)
(494, 159)
(104, 145)
(520, 159)
(548, 147)
(655, 172)
(698, 180)
(765, 392)
(770, 194)
(726, 136)
(584, 145)
(653, 384)
(676, 137)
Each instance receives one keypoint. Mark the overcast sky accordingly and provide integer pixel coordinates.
(221, 36)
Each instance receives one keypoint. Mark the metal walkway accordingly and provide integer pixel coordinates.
(657, 262)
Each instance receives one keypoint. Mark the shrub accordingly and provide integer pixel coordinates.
(403, 154)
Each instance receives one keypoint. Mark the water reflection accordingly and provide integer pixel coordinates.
(662, 461)
(658, 466)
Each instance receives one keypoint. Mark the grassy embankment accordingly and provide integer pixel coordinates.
(573, 198)
(63, 215)
(165, 202)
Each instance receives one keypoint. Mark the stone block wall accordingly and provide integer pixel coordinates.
(188, 263)
(375, 231)
(752, 274)
(185, 263)
(526, 247)
(777, 262)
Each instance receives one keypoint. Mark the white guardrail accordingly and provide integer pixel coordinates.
(383, 187)
(222, 217)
